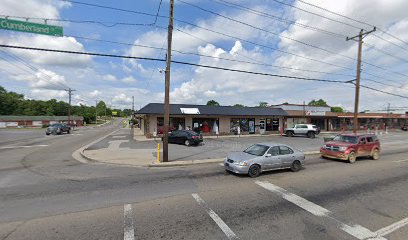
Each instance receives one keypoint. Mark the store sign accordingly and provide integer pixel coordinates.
(114, 113)
(316, 113)
(37, 123)
(190, 110)
(22, 26)
(12, 124)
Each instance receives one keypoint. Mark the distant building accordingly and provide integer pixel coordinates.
(37, 121)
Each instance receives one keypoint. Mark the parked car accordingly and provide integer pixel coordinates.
(263, 157)
(351, 146)
(186, 137)
(57, 128)
(404, 127)
(308, 130)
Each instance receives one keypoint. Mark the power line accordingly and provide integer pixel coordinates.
(289, 38)
(200, 65)
(352, 19)
(34, 68)
(157, 14)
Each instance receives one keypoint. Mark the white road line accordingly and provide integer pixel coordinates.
(356, 231)
(406, 160)
(129, 231)
(391, 228)
(224, 227)
(11, 147)
(221, 164)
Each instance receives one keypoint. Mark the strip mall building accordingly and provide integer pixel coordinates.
(37, 121)
(225, 120)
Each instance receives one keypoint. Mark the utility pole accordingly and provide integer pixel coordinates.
(96, 112)
(69, 108)
(360, 37)
(167, 86)
(133, 106)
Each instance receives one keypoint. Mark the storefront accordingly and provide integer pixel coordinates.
(212, 120)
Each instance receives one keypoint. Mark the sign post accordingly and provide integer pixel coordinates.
(22, 26)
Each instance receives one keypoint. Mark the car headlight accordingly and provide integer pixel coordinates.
(241, 163)
(342, 149)
(324, 146)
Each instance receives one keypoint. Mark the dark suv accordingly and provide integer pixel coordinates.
(350, 146)
(58, 128)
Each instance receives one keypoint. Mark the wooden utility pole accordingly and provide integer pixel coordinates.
(69, 108)
(167, 86)
(360, 37)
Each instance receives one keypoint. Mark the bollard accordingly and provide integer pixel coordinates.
(158, 153)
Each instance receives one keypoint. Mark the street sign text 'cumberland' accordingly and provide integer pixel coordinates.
(22, 26)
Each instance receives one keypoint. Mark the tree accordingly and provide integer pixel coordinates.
(337, 109)
(238, 105)
(263, 104)
(319, 102)
(213, 103)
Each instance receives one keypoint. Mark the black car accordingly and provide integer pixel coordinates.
(404, 127)
(58, 128)
(186, 137)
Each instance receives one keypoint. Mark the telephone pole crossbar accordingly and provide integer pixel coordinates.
(360, 37)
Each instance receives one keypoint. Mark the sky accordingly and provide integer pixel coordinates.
(301, 38)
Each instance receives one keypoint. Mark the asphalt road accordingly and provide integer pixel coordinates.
(46, 194)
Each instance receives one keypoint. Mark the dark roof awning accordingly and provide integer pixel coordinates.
(188, 109)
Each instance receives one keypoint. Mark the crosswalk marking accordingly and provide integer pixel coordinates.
(224, 227)
(129, 231)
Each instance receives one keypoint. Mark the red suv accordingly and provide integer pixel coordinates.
(350, 146)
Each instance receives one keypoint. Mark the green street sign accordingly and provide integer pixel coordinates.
(22, 26)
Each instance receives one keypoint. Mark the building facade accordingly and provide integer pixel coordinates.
(37, 121)
(211, 120)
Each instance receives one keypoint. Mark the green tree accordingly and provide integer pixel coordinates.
(213, 103)
(319, 102)
(238, 105)
(263, 104)
(337, 109)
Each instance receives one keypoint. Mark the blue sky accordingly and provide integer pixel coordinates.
(268, 42)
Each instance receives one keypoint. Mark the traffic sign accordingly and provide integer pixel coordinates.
(30, 27)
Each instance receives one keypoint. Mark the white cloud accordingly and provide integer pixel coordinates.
(129, 80)
(109, 77)
(45, 94)
(95, 93)
(44, 79)
(48, 42)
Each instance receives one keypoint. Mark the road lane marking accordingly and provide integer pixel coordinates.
(356, 231)
(406, 160)
(221, 164)
(391, 228)
(11, 147)
(129, 231)
(221, 224)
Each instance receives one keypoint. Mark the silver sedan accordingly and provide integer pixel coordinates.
(262, 157)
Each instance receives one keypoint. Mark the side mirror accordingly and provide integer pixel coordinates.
(268, 155)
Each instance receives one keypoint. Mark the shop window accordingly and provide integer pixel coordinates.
(206, 125)
(174, 124)
(245, 125)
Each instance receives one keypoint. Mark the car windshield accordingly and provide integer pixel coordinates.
(346, 139)
(257, 150)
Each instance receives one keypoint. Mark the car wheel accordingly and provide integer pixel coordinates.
(254, 171)
(47, 134)
(376, 154)
(311, 135)
(289, 134)
(352, 157)
(68, 132)
(296, 166)
(187, 143)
